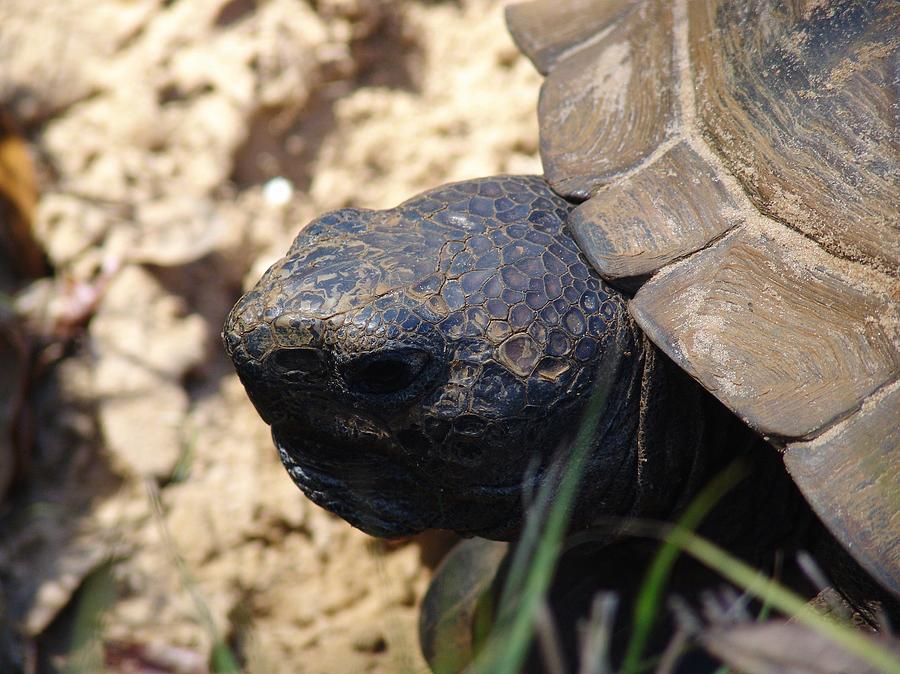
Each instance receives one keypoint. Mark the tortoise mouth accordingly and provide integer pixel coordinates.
(363, 487)
(370, 486)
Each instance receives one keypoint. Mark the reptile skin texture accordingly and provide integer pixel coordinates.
(423, 366)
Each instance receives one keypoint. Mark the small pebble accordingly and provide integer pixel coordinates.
(370, 641)
(278, 191)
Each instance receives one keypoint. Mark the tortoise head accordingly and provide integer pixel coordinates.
(416, 363)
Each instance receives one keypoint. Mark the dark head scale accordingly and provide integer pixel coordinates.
(418, 364)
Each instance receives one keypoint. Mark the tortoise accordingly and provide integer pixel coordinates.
(713, 247)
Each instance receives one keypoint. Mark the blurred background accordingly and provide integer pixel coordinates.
(155, 157)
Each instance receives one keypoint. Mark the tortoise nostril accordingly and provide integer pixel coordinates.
(389, 374)
(303, 361)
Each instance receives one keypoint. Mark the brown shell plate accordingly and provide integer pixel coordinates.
(742, 156)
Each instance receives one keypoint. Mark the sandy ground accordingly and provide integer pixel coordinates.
(179, 146)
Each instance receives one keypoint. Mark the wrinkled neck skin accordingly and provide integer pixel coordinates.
(650, 446)
(424, 366)
(662, 438)
(672, 438)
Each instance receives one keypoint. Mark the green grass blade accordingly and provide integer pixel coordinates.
(97, 594)
(222, 659)
(784, 600)
(650, 596)
(533, 564)
(529, 542)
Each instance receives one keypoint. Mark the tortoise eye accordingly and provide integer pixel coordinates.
(389, 373)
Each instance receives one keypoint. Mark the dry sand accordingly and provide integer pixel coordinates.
(158, 128)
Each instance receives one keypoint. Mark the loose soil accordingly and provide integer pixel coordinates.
(179, 147)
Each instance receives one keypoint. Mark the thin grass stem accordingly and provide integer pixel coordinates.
(784, 600)
(223, 660)
(650, 596)
(535, 558)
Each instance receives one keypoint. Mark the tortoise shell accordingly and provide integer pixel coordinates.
(737, 166)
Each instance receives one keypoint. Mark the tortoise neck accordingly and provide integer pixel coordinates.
(685, 438)
(650, 453)
(669, 437)
(672, 451)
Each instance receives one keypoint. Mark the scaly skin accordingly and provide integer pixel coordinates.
(421, 366)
